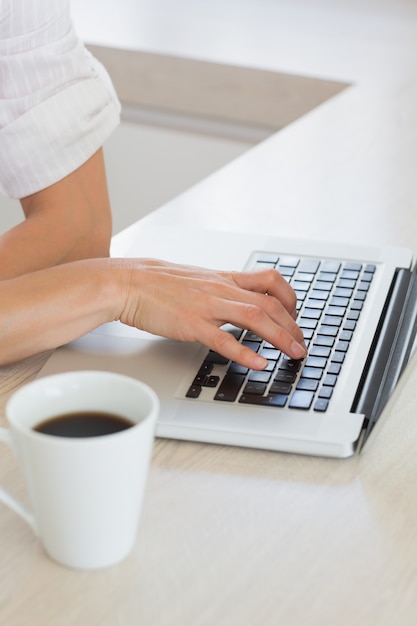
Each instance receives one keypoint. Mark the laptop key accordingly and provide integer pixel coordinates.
(326, 393)
(330, 380)
(288, 261)
(301, 295)
(254, 387)
(360, 296)
(236, 368)
(342, 346)
(277, 400)
(367, 277)
(251, 336)
(308, 333)
(320, 351)
(211, 381)
(338, 357)
(353, 267)
(339, 301)
(286, 272)
(285, 376)
(304, 277)
(279, 387)
(312, 313)
(307, 384)
(193, 392)
(343, 292)
(312, 372)
(334, 367)
(321, 405)
(270, 366)
(199, 379)
(332, 320)
(349, 325)
(216, 358)
(301, 400)
(268, 257)
(322, 285)
(353, 315)
(229, 387)
(307, 323)
(330, 331)
(259, 377)
(324, 340)
(316, 304)
(330, 266)
(206, 368)
(337, 311)
(253, 345)
(309, 266)
(319, 294)
(327, 277)
(289, 365)
(316, 361)
(235, 331)
(270, 354)
(346, 283)
(299, 285)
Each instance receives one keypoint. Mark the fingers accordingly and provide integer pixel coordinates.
(268, 282)
(192, 304)
(268, 319)
(225, 343)
(279, 305)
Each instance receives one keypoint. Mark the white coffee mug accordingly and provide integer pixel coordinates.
(85, 492)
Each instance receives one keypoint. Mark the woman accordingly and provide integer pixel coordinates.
(57, 107)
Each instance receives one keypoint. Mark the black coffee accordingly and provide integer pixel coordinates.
(83, 424)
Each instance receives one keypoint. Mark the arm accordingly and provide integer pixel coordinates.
(69, 220)
(57, 107)
(48, 308)
(47, 295)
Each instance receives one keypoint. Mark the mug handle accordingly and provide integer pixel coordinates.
(5, 496)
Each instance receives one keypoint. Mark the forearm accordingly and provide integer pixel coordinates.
(67, 221)
(46, 309)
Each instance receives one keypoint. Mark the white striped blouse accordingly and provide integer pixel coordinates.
(57, 103)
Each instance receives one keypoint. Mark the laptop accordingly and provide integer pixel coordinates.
(357, 307)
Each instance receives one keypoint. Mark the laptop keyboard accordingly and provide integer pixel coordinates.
(330, 298)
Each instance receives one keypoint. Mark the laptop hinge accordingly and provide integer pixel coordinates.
(390, 351)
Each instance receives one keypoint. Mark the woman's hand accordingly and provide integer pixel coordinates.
(45, 309)
(192, 303)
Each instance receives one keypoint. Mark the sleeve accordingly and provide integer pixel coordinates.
(57, 103)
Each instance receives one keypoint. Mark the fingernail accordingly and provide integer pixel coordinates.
(298, 351)
(260, 363)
